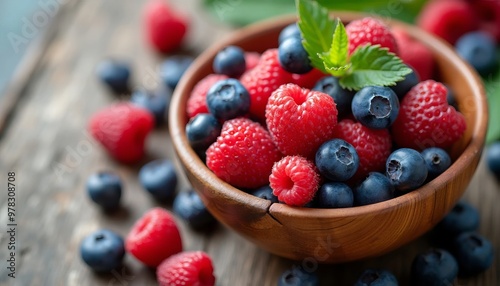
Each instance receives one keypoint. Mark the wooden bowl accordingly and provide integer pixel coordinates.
(335, 235)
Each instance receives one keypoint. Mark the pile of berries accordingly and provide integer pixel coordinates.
(279, 124)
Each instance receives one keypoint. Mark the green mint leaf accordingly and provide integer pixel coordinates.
(374, 65)
(317, 30)
(339, 50)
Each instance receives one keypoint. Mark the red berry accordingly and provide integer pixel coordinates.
(197, 101)
(193, 268)
(415, 54)
(370, 31)
(294, 180)
(373, 146)
(165, 29)
(154, 237)
(300, 120)
(262, 80)
(488, 13)
(448, 19)
(122, 129)
(243, 154)
(426, 120)
(252, 60)
(309, 79)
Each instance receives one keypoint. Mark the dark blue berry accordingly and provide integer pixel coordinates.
(437, 161)
(406, 169)
(373, 189)
(479, 50)
(462, 218)
(173, 68)
(334, 195)
(115, 74)
(102, 250)
(230, 61)
(493, 158)
(342, 97)
(105, 189)
(202, 130)
(403, 87)
(377, 277)
(293, 57)
(159, 178)
(189, 206)
(375, 107)
(435, 267)
(155, 102)
(228, 99)
(290, 31)
(297, 276)
(474, 253)
(265, 193)
(337, 160)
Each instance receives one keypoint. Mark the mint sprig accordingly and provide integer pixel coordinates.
(327, 43)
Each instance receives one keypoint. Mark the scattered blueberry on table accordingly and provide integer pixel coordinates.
(434, 267)
(105, 189)
(172, 69)
(114, 74)
(189, 206)
(298, 276)
(159, 178)
(102, 250)
(376, 277)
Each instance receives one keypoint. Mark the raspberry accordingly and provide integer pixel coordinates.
(165, 30)
(294, 180)
(197, 101)
(300, 120)
(426, 120)
(309, 79)
(373, 146)
(243, 155)
(488, 13)
(154, 237)
(448, 19)
(122, 129)
(415, 54)
(370, 31)
(193, 268)
(262, 80)
(252, 59)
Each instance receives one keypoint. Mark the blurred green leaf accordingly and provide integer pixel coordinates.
(243, 12)
(492, 86)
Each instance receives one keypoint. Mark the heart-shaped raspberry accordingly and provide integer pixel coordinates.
(300, 120)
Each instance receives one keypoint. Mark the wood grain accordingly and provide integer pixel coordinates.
(54, 214)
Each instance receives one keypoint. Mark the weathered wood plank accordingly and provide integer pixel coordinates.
(47, 131)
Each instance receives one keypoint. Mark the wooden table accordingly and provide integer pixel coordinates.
(44, 140)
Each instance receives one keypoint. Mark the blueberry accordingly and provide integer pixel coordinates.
(337, 160)
(230, 61)
(290, 31)
(102, 250)
(265, 193)
(493, 158)
(159, 178)
(202, 130)
(406, 169)
(105, 189)
(403, 87)
(228, 99)
(293, 57)
(188, 206)
(115, 74)
(375, 107)
(473, 252)
(342, 97)
(462, 218)
(450, 97)
(377, 277)
(172, 69)
(334, 195)
(479, 50)
(156, 103)
(297, 276)
(436, 160)
(373, 189)
(435, 267)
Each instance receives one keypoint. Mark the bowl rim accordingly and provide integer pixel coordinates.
(198, 168)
